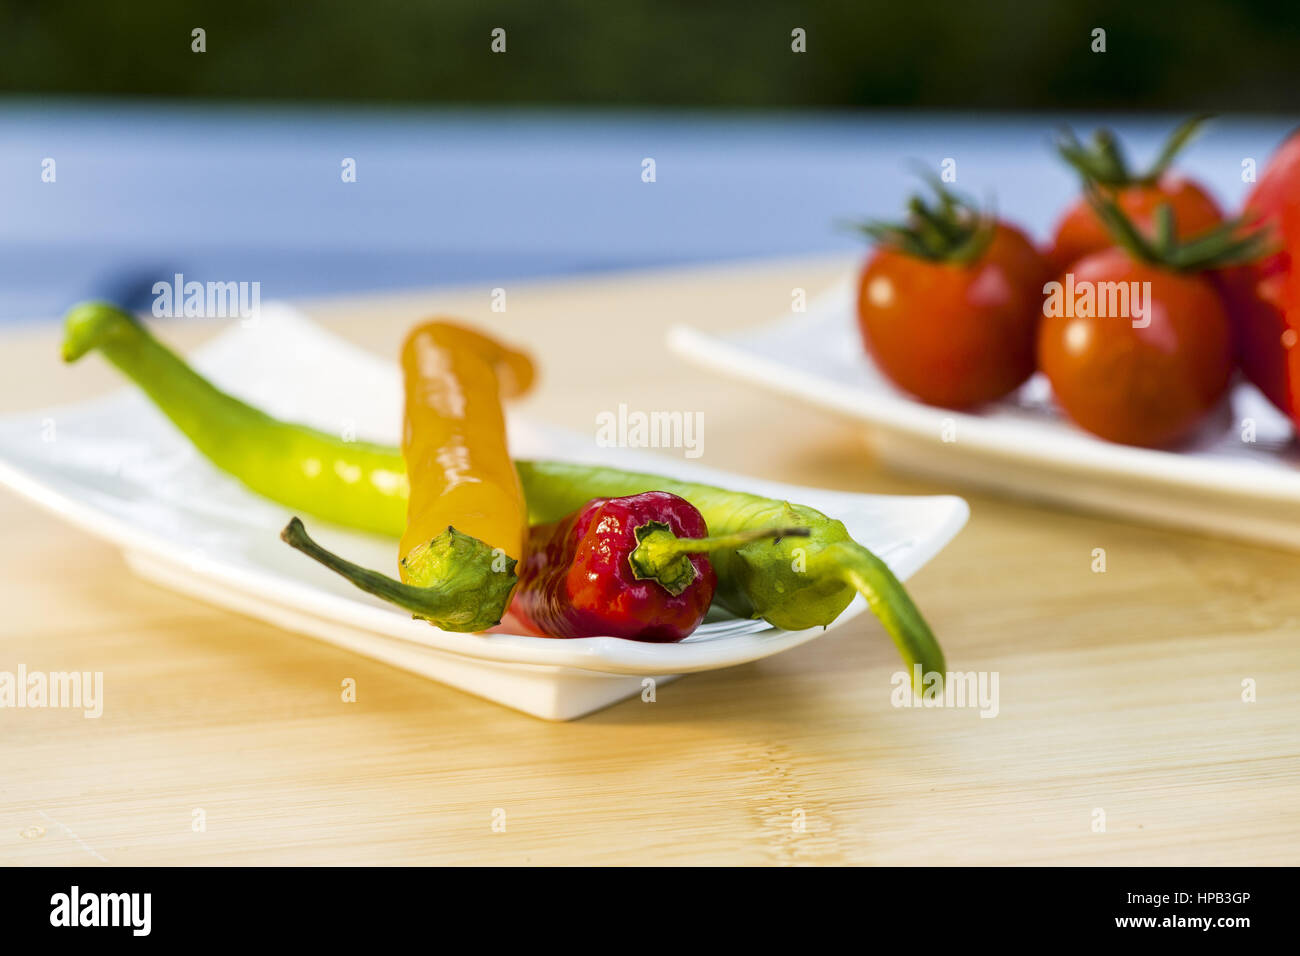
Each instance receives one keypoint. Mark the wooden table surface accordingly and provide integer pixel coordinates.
(1119, 692)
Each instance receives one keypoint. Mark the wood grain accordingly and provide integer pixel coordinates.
(1120, 691)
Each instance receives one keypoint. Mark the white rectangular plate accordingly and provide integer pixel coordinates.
(1220, 483)
(118, 469)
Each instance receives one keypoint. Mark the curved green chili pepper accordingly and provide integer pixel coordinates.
(352, 483)
(794, 583)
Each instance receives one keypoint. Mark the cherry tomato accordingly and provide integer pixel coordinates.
(954, 334)
(1149, 385)
(1080, 232)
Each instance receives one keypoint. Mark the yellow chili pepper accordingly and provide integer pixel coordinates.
(466, 520)
(454, 443)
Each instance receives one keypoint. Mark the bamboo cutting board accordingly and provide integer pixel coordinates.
(225, 741)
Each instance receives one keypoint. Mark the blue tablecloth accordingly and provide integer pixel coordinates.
(224, 193)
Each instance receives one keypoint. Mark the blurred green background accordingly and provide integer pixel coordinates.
(1195, 54)
(482, 167)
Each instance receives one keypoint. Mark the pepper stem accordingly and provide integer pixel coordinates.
(890, 602)
(662, 556)
(472, 597)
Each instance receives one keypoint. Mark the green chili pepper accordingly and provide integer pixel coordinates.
(794, 583)
(352, 483)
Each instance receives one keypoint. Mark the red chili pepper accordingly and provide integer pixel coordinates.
(632, 567)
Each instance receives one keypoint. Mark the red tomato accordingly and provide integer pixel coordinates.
(1255, 297)
(1264, 300)
(1080, 232)
(1147, 386)
(1278, 190)
(951, 334)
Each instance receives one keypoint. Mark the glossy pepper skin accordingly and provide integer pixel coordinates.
(462, 481)
(466, 518)
(579, 579)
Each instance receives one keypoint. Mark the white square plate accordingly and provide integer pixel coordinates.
(1219, 483)
(118, 469)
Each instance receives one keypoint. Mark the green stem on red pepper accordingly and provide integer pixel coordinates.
(662, 556)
